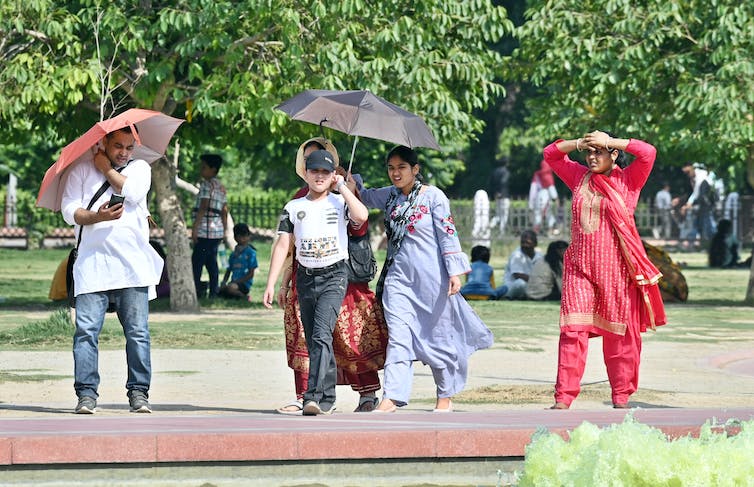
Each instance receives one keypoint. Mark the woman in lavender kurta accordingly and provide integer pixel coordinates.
(427, 319)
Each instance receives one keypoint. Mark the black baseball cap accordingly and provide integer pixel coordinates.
(320, 159)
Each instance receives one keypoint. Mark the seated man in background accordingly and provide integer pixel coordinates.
(520, 265)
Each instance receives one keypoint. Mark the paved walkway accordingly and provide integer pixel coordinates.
(673, 374)
(218, 406)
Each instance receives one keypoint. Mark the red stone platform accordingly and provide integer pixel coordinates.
(253, 437)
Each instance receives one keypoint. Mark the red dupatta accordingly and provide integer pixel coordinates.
(644, 274)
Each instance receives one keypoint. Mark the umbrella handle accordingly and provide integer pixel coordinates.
(321, 128)
(353, 151)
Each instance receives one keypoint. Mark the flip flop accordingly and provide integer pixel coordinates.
(293, 408)
(448, 409)
(366, 405)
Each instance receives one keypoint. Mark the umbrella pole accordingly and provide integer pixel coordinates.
(353, 151)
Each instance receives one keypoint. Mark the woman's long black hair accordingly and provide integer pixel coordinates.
(553, 257)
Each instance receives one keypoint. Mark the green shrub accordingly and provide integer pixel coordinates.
(634, 454)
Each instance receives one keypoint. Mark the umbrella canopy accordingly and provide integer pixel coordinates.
(153, 133)
(360, 113)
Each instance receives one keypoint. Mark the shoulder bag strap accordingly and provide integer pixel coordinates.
(96, 196)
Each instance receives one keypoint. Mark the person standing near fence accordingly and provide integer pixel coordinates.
(609, 284)
(500, 190)
(664, 205)
(543, 199)
(210, 224)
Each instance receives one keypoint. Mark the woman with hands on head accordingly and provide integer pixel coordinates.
(427, 319)
(609, 285)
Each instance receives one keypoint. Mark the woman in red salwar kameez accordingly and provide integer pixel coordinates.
(609, 284)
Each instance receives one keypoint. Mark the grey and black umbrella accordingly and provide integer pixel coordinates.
(362, 114)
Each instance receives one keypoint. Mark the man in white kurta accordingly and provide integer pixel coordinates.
(115, 264)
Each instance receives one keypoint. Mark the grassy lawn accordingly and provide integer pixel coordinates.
(30, 321)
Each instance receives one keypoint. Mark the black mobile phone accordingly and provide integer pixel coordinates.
(115, 199)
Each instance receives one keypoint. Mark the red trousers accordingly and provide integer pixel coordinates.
(621, 354)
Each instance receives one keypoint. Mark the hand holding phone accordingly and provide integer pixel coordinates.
(115, 199)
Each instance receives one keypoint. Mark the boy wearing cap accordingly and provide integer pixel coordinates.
(318, 224)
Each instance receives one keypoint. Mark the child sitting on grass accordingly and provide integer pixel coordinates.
(241, 265)
(480, 281)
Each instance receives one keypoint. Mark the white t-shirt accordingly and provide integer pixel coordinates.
(520, 263)
(113, 254)
(319, 228)
(663, 200)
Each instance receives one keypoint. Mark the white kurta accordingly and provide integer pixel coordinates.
(112, 254)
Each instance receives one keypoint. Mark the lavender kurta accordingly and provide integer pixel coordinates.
(598, 295)
(424, 323)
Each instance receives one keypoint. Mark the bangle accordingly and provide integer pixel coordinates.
(578, 143)
(607, 148)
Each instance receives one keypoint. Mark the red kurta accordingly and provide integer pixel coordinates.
(599, 294)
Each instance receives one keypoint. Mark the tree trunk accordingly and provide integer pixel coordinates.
(182, 290)
(749, 298)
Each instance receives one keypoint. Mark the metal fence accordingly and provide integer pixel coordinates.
(263, 212)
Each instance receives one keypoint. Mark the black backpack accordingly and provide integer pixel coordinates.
(362, 266)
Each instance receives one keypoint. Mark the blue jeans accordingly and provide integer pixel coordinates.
(320, 297)
(133, 311)
(205, 255)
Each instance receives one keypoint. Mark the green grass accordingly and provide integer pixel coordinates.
(715, 311)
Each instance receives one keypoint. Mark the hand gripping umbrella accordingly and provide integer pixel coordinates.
(153, 133)
(362, 114)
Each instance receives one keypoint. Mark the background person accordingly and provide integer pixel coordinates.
(242, 264)
(481, 280)
(419, 284)
(520, 264)
(543, 199)
(664, 206)
(609, 285)
(546, 280)
(701, 203)
(210, 223)
(115, 238)
(723, 248)
(501, 192)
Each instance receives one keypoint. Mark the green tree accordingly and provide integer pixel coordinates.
(224, 65)
(679, 74)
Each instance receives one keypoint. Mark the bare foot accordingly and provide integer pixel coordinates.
(386, 406)
(443, 404)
